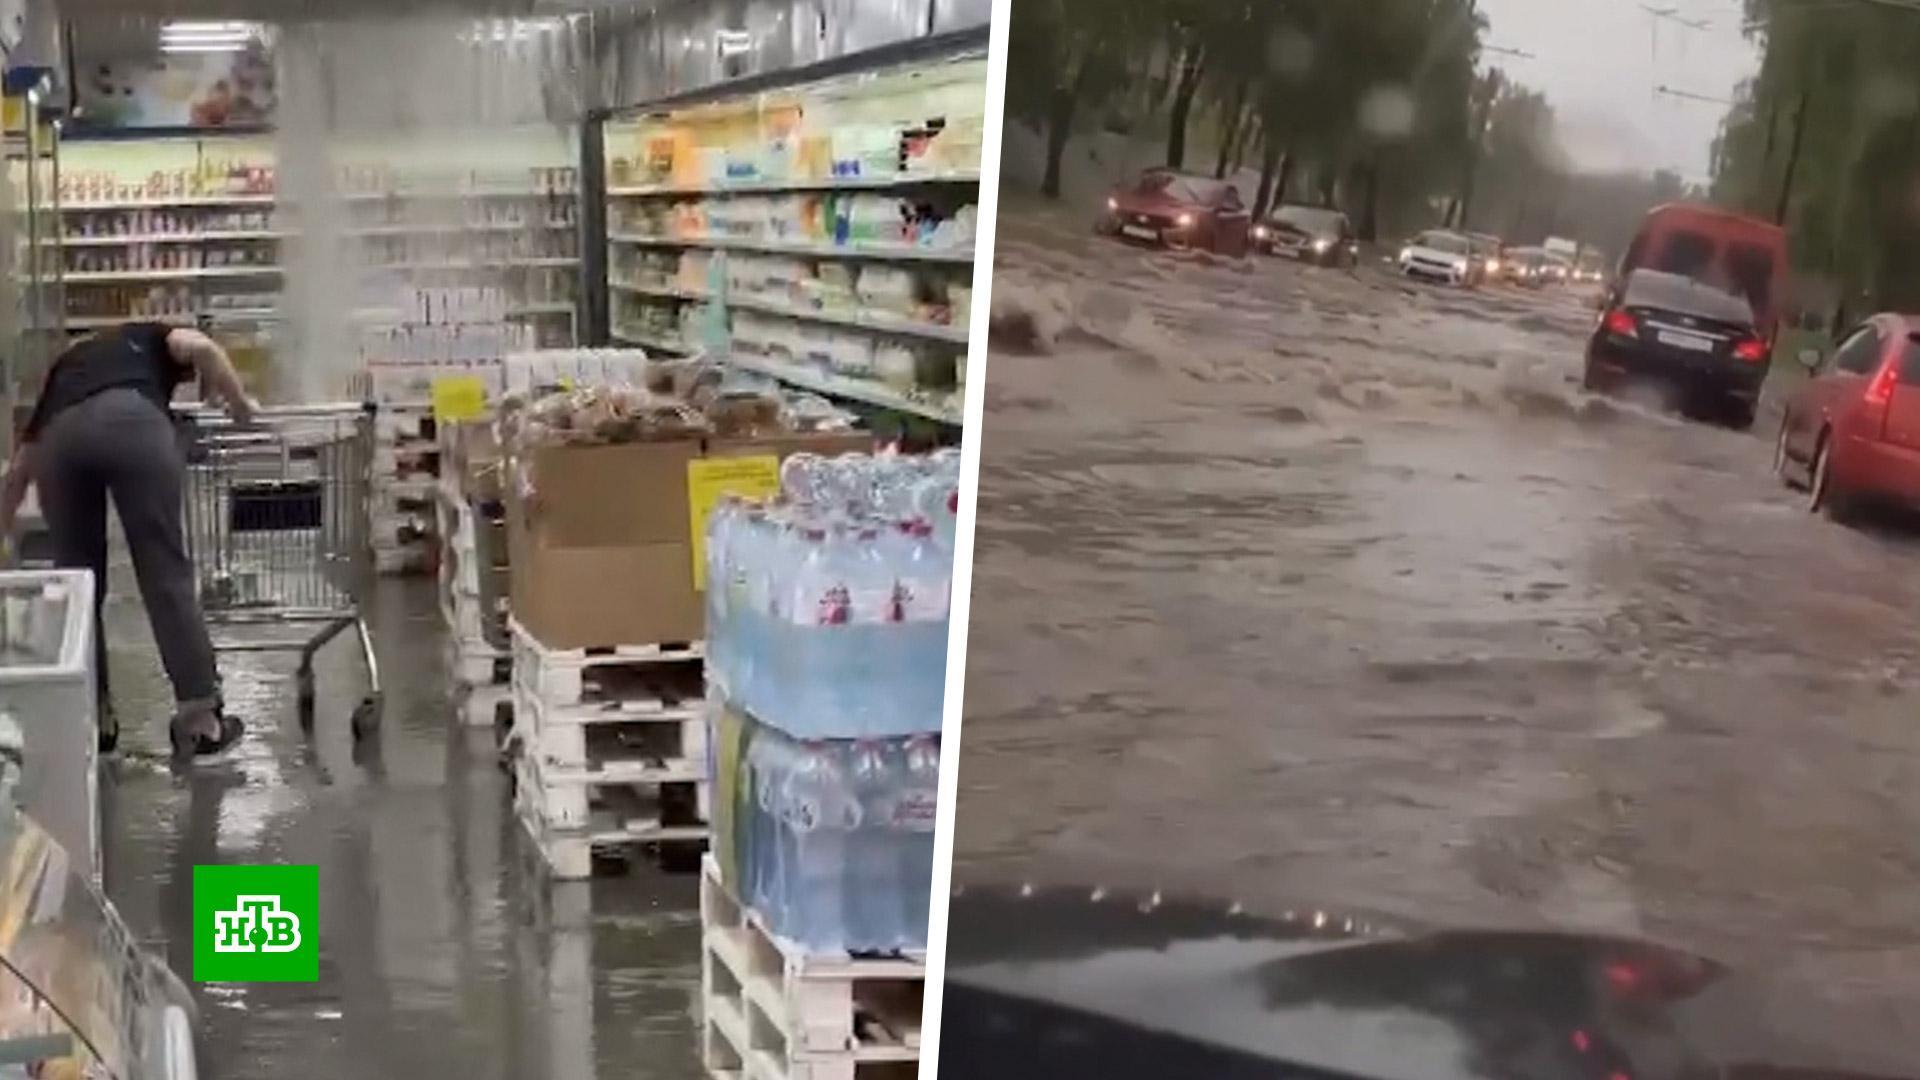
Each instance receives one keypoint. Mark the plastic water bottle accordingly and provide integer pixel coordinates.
(915, 812)
(873, 856)
(819, 815)
(925, 586)
(869, 676)
(722, 526)
(758, 835)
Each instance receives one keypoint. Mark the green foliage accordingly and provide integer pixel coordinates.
(1828, 131)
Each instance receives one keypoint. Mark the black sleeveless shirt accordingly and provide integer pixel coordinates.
(132, 354)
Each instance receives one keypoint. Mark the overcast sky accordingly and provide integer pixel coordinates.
(1598, 62)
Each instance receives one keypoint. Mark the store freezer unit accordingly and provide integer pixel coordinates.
(47, 686)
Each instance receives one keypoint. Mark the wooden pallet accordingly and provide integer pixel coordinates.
(773, 1011)
(404, 423)
(580, 676)
(642, 795)
(480, 704)
(572, 853)
(648, 724)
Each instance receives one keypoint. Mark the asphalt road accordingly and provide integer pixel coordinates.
(1302, 586)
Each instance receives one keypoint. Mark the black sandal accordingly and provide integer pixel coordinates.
(205, 746)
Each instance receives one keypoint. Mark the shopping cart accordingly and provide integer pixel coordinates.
(276, 527)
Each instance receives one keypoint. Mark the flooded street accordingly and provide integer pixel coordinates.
(1299, 586)
(443, 952)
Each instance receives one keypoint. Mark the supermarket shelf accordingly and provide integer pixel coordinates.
(673, 291)
(833, 183)
(956, 335)
(162, 204)
(96, 276)
(908, 327)
(652, 341)
(92, 322)
(430, 196)
(474, 264)
(795, 247)
(840, 386)
(459, 229)
(179, 201)
(281, 234)
(164, 238)
(558, 307)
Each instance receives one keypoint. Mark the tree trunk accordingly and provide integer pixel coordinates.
(1793, 161)
(1270, 154)
(1369, 226)
(1230, 124)
(1183, 92)
(1059, 127)
(1281, 185)
(1249, 129)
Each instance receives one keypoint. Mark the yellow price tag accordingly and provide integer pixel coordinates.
(459, 397)
(708, 480)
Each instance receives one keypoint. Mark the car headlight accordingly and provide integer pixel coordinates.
(1493, 266)
(1460, 265)
(1185, 221)
(1406, 253)
(1113, 204)
(1259, 232)
(1320, 247)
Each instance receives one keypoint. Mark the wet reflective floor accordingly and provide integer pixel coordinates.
(443, 953)
(1306, 586)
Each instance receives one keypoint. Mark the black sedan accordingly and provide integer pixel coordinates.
(1684, 335)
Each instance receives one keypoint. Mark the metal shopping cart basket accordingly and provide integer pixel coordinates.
(277, 530)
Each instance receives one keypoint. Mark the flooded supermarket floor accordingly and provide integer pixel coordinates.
(442, 952)
(1301, 586)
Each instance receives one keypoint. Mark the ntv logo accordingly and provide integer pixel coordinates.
(256, 924)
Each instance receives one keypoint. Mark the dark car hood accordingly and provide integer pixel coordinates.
(1154, 202)
(1069, 983)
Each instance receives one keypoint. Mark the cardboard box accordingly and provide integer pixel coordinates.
(599, 550)
(474, 459)
(602, 553)
(825, 444)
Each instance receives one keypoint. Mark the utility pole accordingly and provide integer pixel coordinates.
(1793, 158)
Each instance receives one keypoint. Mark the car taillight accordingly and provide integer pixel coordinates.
(1622, 324)
(1752, 350)
(1880, 390)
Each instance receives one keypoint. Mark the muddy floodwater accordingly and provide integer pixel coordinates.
(1307, 586)
(444, 953)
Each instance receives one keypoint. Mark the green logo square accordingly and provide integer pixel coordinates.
(256, 924)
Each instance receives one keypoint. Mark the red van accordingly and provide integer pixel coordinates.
(1735, 253)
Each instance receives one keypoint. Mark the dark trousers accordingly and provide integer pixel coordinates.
(120, 443)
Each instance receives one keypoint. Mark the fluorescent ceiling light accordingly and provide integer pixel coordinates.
(206, 36)
(204, 47)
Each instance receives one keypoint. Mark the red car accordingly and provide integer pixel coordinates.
(1852, 431)
(1177, 210)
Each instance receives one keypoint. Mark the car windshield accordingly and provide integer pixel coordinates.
(1313, 220)
(1449, 243)
(1671, 292)
(1190, 189)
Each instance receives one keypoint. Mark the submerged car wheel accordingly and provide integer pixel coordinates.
(1782, 461)
(1821, 495)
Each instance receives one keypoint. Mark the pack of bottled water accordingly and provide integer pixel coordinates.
(827, 607)
(835, 839)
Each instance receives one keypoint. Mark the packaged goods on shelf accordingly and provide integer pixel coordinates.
(410, 384)
(831, 618)
(601, 522)
(829, 841)
(548, 369)
(453, 343)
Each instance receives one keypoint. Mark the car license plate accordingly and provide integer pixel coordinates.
(1141, 231)
(1693, 342)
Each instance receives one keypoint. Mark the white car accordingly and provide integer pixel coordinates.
(1439, 256)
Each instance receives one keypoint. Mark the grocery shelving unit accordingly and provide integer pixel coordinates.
(816, 231)
(34, 315)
